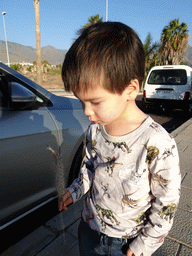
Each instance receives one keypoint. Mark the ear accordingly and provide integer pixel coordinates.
(132, 89)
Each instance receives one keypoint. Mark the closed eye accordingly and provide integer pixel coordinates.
(95, 103)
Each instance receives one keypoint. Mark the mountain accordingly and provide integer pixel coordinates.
(188, 55)
(22, 53)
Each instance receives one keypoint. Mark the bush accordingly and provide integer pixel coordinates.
(16, 67)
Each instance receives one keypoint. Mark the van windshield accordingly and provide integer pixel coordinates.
(168, 77)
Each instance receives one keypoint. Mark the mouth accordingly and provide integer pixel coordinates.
(95, 122)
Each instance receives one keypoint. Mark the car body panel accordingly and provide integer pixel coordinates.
(28, 166)
(71, 125)
(24, 156)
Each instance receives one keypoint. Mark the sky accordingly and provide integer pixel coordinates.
(61, 19)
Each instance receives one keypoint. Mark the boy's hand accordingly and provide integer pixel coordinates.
(64, 201)
(130, 253)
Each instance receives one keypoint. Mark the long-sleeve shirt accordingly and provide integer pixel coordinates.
(133, 184)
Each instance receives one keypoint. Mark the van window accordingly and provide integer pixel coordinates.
(168, 77)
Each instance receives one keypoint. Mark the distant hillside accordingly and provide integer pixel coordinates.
(22, 53)
(188, 56)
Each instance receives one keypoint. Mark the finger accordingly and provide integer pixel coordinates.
(65, 208)
(64, 201)
(130, 253)
(60, 207)
(68, 201)
(63, 205)
(60, 204)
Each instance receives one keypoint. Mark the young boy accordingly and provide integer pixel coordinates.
(131, 168)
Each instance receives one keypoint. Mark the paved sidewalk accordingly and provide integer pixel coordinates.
(59, 235)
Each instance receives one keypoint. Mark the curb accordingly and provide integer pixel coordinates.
(181, 128)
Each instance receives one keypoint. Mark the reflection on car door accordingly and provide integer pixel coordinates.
(26, 172)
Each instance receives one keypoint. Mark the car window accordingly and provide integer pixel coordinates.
(3, 92)
(1, 95)
(168, 77)
(16, 96)
(191, 79)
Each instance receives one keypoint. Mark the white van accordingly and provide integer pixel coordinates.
(169, 87)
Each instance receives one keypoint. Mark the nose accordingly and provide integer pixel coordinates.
(87, 109)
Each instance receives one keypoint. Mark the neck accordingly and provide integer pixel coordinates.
(129, 122)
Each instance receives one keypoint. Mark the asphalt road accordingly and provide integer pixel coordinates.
(170, 120)
(14, 233)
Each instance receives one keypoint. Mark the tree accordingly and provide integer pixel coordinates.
(150, 49)
(174, 40)
(93, 19)
(38, 40)
(16, 67)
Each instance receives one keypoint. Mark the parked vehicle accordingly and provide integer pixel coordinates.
(169, 87)
(33, 121)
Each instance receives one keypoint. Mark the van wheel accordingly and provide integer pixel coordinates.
(188, 109)
(145, 107)
(76, 165)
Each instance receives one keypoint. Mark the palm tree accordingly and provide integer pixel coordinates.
(174, 40)
(93, 19)
(38, 40)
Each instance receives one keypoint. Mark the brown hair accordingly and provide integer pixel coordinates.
(106, 53)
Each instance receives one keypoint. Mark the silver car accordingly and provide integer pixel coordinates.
(41, 137)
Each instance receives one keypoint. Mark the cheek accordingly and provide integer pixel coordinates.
(117, 109)
(109, 111)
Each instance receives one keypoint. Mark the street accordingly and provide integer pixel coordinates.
(14, 233)
(170, 120)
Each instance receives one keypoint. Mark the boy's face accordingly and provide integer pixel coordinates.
(102, 106)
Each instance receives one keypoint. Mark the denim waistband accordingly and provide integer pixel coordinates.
(112, 241)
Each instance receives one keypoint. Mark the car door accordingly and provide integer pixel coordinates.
(26, 165)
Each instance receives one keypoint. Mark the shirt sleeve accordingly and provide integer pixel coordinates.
(82, 184)
(165, 179)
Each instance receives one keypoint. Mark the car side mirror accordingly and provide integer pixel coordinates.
(21, 97)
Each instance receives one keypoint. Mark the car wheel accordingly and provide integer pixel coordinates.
(76, 165)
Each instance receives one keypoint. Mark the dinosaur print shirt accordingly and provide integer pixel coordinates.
(133, 184)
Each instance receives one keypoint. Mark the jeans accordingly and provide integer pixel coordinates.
(95, 243)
